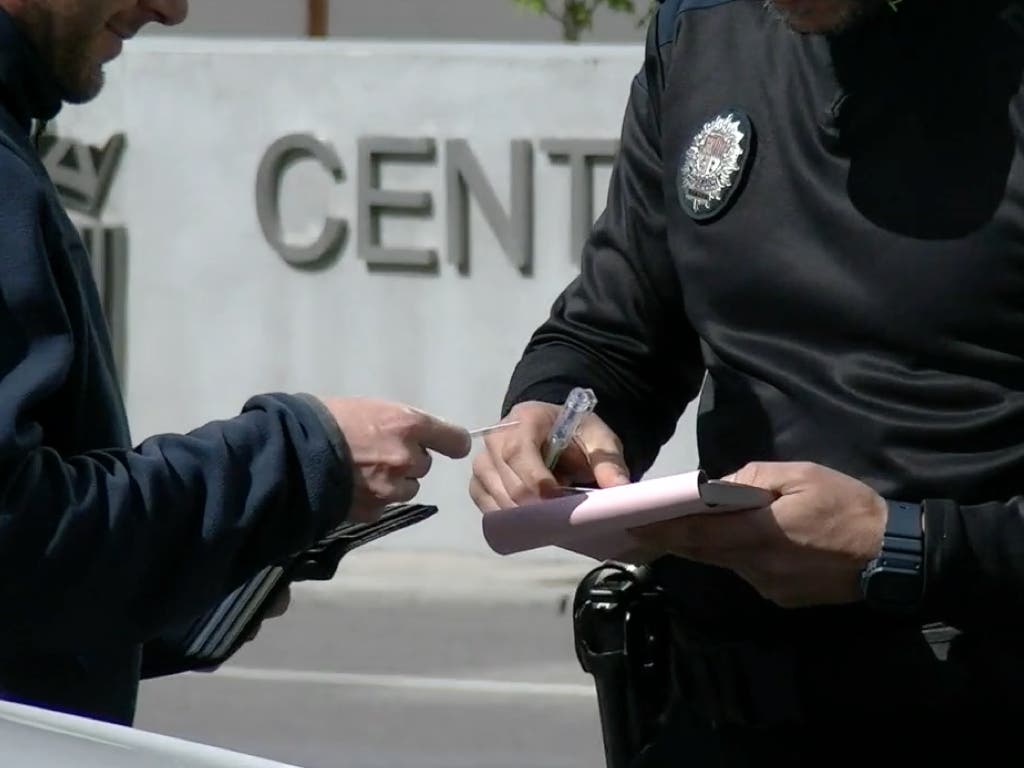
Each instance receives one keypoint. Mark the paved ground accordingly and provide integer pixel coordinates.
(403, 661)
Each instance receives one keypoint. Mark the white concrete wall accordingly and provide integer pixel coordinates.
(394, 20)
(215, 315)
(241, 18)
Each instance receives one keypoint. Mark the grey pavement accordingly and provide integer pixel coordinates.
(403, 660)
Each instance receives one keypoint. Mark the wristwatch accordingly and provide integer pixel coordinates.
(894, 581)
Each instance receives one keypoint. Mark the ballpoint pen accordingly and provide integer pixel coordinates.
(578, 405)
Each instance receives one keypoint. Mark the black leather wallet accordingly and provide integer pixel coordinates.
(216, 635)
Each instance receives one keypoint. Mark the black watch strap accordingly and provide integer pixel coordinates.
(904, 520)
(894, 580)
(903, 532)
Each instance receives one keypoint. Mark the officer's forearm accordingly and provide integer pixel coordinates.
(974, 563)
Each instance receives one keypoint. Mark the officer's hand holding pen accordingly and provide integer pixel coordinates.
(510, 469)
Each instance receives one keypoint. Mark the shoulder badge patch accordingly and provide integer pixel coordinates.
(712, 166)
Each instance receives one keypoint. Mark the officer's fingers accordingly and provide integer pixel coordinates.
(782, 478)
(720, 538)
(486, 475)
(523, 490)
(521, 466)
(603, 451)
(483, 500)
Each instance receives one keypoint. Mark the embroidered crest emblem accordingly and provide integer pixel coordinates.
(712, 166)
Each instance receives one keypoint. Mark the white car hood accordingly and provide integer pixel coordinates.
(34, 738)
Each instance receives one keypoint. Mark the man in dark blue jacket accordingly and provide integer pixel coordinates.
(816, 223)
(103, 545)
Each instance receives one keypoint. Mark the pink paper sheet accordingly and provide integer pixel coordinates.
(596, 523)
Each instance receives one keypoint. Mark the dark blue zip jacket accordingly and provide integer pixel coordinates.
(104, 545)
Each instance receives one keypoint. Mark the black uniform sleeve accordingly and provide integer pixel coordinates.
(974, 564)
(620, 326)
(107, 548)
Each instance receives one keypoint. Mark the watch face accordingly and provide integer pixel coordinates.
(893, 588)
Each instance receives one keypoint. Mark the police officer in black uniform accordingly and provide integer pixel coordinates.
(816, 223)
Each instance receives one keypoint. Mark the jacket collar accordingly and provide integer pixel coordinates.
(27, 86)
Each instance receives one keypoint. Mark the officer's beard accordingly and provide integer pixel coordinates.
(823, 16)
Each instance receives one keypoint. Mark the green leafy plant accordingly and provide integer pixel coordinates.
(577, 16)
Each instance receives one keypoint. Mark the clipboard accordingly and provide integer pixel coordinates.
(596, 522)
